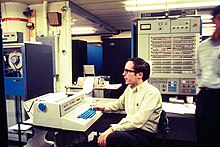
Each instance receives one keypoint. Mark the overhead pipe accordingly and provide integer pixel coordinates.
(45, 4)
(85, 14)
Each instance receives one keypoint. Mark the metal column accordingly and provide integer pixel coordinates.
(3, 113)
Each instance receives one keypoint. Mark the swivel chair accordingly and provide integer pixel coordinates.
(163, 126)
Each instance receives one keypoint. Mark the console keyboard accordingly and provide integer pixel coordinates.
(87, 114)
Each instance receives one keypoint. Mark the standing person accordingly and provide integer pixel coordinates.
(208, 80)
(142, 103)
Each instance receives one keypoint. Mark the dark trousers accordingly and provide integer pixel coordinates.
(134, 138)
(208, 118)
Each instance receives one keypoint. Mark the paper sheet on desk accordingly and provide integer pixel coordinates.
(179, 108)
(88, 85)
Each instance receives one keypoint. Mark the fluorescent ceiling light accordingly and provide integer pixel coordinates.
(212, 28)
(73, 21)
(139, 8)
(192, 5)
(208, 25)
(134, 2)
(136, 7)
(83, 30)
(203, 17)
(206, 21)
(206, 18)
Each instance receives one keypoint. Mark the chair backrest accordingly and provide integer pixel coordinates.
(163, 125)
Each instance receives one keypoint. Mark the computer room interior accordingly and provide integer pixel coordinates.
(42, 27)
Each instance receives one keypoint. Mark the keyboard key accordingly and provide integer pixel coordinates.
(87, 114)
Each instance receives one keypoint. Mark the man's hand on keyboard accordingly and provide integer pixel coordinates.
(99, 108)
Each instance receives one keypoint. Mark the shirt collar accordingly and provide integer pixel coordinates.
(140, 87)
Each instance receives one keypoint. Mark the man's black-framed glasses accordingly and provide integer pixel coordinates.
(129, 71)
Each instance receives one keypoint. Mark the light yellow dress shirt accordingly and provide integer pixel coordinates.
(142, 105)
(208, 64)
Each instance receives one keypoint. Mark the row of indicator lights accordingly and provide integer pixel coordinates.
(188, 91)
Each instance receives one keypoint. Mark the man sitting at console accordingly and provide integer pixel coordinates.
(142, 103)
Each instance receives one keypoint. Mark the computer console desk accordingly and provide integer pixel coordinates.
(182, 127)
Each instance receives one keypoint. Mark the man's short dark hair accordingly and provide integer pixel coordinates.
(141, 66)
(216, 11)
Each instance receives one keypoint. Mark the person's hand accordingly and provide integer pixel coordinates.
(103, 136)
(98, 108)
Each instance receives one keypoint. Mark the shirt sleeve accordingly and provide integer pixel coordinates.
(150, 103)
(198, 68)
(117, 105)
